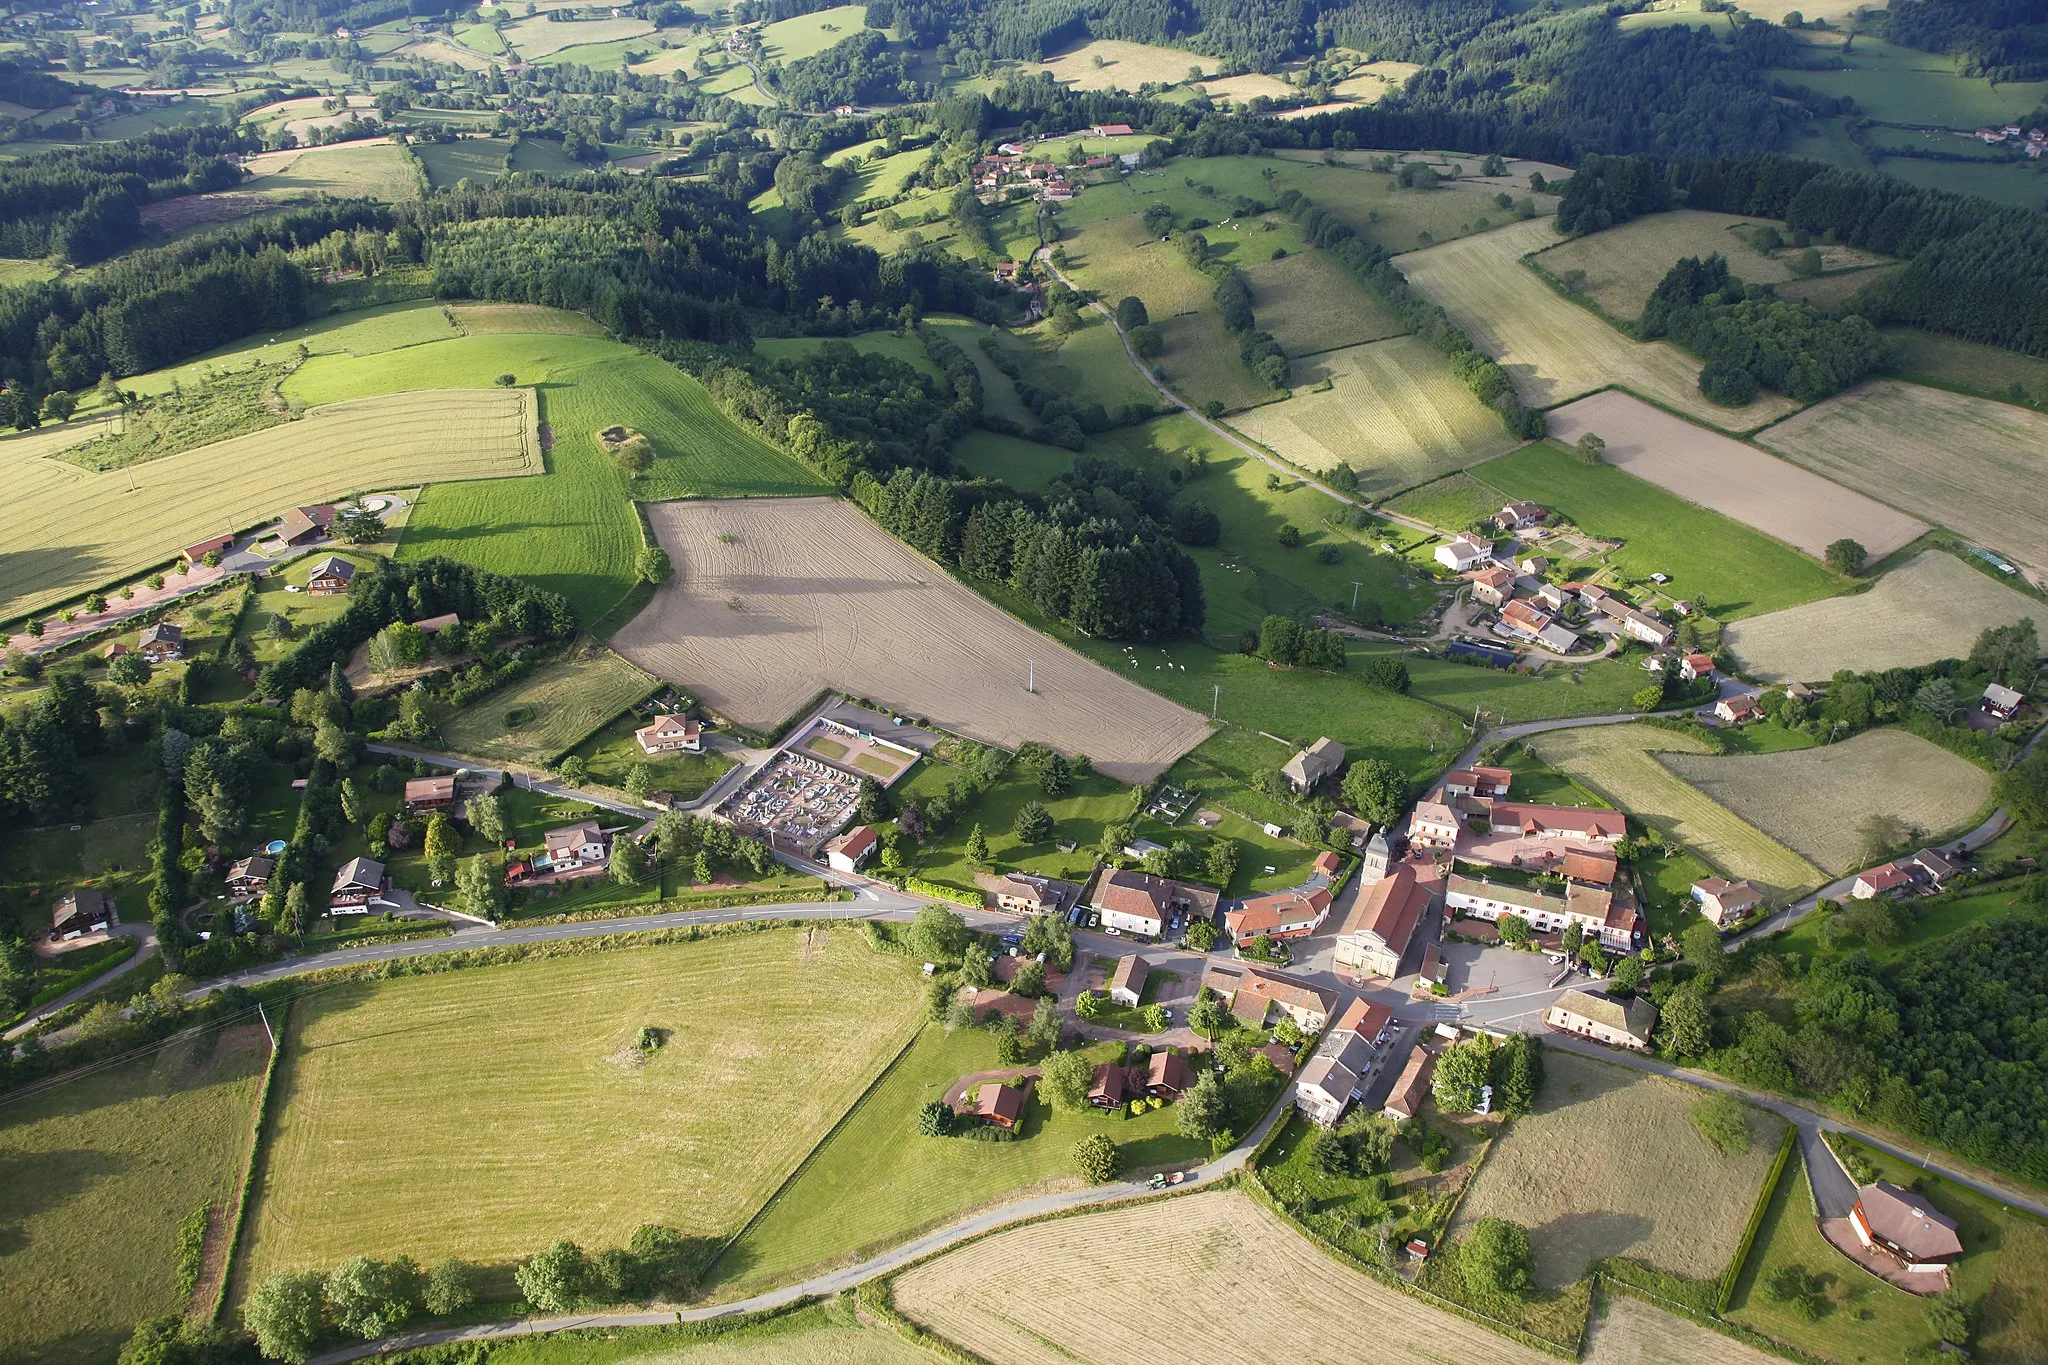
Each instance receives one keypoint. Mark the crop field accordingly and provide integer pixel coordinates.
(523, 318)
(1556, 349)
(100, 1172)
(1619, 762)
(1737, 480)
(1310, 302)
(1025, 465)
(1088, 1288)
(375, 169)
(1708, 557)
(1931, 607)
(478, 159)
(1880, 772)
(1627, 1331)
(1125, 66)
(550, 711)
(1664, 1196)
(1974, 465)
(775, 601)
(487, 1112)
(1954, 363)
(873, 1186)
(68, 529)
(542, 36)
(1625, 264)
(1394, 412)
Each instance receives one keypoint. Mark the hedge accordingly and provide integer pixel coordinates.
(1756, 1222)
(259, 1127)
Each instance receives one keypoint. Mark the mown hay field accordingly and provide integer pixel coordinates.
(824, 1334)
(528, 318)
(1931, 607)
(1619, 762)
(1394, 412)
(376, 169)
(1627, 1331)
(1206, 1277)
(1879, 772)
(1974, 465)
(1555, 349)
(774, 601)
(1663, 1197)
(67, 529)
(1625, 264)
(1310, 302)
(1737, 480)
(550, 711)
(100, 1171)
(486, 1112)
(542, 36)
(1125, 66)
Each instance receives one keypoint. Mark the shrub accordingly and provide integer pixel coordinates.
(1098, 1159)
(1721, 1123)
(451, 1287)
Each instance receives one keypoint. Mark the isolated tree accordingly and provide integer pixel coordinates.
(506, 381)
(1200, 936)
(1702, 948)
(1374, 790)
(1033, 824)
(1130, 312)
(1148, 341)
(628, 863)
(358, 525)
(1949, 1317)
(440, 846)
(937, 934)
(1846, 556)
(487, 816)
(935, 1119)
(451, 1286)
(977, 846)
(1044, 1029)
(369, 1298)
(286, 1314)
(1590, 448)
(297, 914)
(1204, 1109)
(1495, 1260)
(1648, 698)
(554, 1280)
(1098, 1159)
(59, 406)
(1460, 1073)
(1064, 1078)
(639, 781)
(477, 889)
(1219, 861)
(700, 869)
(355, 807)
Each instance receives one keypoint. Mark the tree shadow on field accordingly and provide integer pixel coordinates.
(1565, 1246)
(34, 1183)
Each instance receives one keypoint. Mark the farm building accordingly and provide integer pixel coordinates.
(670, 734)
(250, 875)
(2002, 702)
(1723, 901)
(1127, 984)
(429, 793)
(331, 576)
(578, 845)
(212, 545)
(846, 852)
(1604, 1019)
(1112, 130)
(1901, 1222)
(434, 625)
(1320, 760)
(1381, 921)
(1494, 586)
(1491, 783)
(1463, 551)
(1411, 1087)
(1023, 893)
(85, 910)
(1000, 1105)
(1140, 903)
(357, 882)
(161, 643)
(304, 525)
(1282, 914)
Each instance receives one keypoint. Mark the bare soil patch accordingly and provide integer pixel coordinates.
(174, 214)
(776, 600)
(1977, 466)
(1737, 480)
(1212, 1276)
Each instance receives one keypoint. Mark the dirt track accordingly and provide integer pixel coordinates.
(775, 600)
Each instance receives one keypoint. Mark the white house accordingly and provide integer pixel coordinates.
(848, 851)
(1463, 552)
(671, 734)
(1603, 1018)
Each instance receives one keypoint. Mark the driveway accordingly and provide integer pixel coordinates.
(140, 929)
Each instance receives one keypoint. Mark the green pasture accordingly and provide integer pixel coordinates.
(907, 347)
(1901, 85)
(1596, 688)
(999, 396)
(476, 159)
(1952, 363)
(792, 40)
(1025, 465)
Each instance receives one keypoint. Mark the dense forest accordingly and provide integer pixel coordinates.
(2006, 40)
(82, 204)
(1749, 337)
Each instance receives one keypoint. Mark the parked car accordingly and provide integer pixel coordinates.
(1013, 939)
(1113, 931)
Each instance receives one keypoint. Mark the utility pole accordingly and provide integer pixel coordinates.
(1355, 586)
(1030, 676)
(1216, 700)
(260, 1014)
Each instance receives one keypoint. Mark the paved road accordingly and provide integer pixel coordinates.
(146, 951)
(833, 1281)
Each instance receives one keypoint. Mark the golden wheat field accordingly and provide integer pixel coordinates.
(1931, 607)
(1209, 1277)
(1663, 1196)
(1555, 349)
(777, 599)
(1620, 763)
(64, 529)
(1976, 466)
(1879, 772)
(1393, 411)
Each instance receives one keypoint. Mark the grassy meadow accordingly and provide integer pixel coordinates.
(486, 1112)
(550, 711)
(100, 1171)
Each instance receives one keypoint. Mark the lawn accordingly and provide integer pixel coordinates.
(1025, 465)
(1079, 817)
(101, 1170)
(1926, 922)
(876, 1184)
(1248, 574)
(1242, 1285)
(486, 1112)
(2003, 1273)
(299, 612)
(1664, 1197)
(550, 711)
(612, 753)
(1875, 774)
(1620, 762)
(1709, 558)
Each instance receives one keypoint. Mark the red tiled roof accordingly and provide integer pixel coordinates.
(1886, 877)
(1585, 865)
(1363, 1017)
(1389, 908)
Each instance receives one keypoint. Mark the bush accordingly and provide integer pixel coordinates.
(1495, 1260)
(1098, 1159)
(1721, 1123)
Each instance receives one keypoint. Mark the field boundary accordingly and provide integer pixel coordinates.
(878, 1298)
(1735, 1331)
(1733, 1273)
(260, 1130)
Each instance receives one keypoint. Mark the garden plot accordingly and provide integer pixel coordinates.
(1931, 607)
(1394, 412)
(1737, 480)
(1208, 1277)
(773, 602)
(1878, 773)
(1619, 762)
(1663, 1196)
(1555, 349)
(1974, 465)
